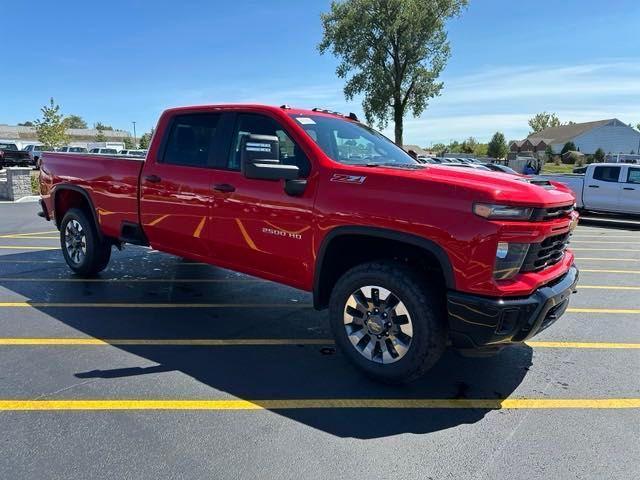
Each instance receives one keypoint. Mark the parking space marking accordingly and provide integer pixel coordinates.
(580, 249)
(598, 241)
(632, 311)
(30, 234)
(22, 237)
(135, 280)
(196, 342)
(607, 287)
(239, 342)
(151, 305)
(596, 270)
(27, 247)
(323, 403)
(606, 259)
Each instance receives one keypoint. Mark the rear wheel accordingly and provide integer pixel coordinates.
(82, 249)
(388, 321)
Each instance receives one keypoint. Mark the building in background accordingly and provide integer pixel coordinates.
(612, 136)
(78, 137)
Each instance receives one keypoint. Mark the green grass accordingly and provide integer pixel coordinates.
(553, 168)
(35, 187)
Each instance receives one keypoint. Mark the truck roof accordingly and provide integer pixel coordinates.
(263, 107)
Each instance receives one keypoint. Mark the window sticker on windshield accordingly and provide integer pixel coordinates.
(305, 120)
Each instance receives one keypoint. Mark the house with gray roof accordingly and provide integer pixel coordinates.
(612, 135)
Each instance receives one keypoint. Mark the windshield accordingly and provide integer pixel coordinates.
(8, 146)
(352, 143)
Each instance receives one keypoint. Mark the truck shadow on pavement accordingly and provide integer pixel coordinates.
(252, 373)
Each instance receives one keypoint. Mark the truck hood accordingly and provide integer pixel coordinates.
(502, 188)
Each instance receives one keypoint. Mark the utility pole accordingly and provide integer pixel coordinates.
(135, 142)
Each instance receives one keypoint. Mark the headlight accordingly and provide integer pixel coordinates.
(502, 212)
(509, 258)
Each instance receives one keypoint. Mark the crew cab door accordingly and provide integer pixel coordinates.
(629, 199)
(601, 188)
(175, 186)
(256, 226)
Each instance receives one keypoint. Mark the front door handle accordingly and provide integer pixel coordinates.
(594, 186)
(224, 187)
(153, 178)
(628, 188)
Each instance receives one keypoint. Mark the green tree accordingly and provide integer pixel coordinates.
(145, 140)
(454, 147)
(638, 126)
(599, 155)
(568, 147)
(100, 136)
(26, 124)
(74, 121)
(481, 150)
(469, 145)
(548, 151)
(439, 148)
(497, 147)
(543, 120)
(128, 143)
(102, 126)
(50, 128)
(391, 52)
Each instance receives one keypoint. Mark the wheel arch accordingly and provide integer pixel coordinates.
(68, 196)
(324, 273)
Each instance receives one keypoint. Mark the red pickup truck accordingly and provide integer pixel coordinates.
(408, 258)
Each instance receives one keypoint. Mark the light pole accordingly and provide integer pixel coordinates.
(135, 143)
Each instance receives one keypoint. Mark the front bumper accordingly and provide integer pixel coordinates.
(477, 322)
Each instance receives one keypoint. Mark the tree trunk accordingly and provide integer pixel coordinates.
(398, 116)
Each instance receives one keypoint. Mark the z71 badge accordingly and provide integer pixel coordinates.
(339, 177)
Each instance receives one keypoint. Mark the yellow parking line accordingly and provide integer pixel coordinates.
(196, 342)
(150, 305)
(335, 403)
(607, 287)
(595, 345)
(234, 342)
(580, 249)
(133, 280)
(598, 241)
(25, 247)
(591, 270)
(580, 236)
(609, 259)
(11, 235)
(21, 237)
(604, 310)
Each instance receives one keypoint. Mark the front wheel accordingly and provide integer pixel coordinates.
(82, 249)
(388, 320)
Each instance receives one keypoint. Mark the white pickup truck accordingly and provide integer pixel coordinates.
(605, 187)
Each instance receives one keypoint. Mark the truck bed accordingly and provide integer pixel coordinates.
(110, 181)
(575, 181)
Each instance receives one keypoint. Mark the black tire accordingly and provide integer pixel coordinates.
(423, 302)
(97, 254)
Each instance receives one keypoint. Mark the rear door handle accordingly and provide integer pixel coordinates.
(224, 187)
(153, 178)
(628, 188)
(594, 186)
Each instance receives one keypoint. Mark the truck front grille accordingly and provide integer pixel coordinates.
(543, 214)
(546, 253)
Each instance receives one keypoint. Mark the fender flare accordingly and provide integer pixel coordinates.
(428, 245)
(87, 197)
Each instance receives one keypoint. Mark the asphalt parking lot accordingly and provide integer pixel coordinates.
(162, 368)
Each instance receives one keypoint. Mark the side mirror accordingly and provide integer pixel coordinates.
(260, 159)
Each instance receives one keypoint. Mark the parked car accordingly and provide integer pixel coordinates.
(35, 153)
(10, 156)
(468, 165)
(133, 153)
(407, 257)
(104, 151)
(496, 167)
(72, 149)
(605, 187)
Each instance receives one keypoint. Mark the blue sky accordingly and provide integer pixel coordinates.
(120, 61)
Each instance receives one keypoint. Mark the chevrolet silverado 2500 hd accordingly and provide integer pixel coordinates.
(407, 257)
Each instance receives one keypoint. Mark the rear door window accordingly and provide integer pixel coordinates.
(191, 140)
(607, 173)
(633, 176)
